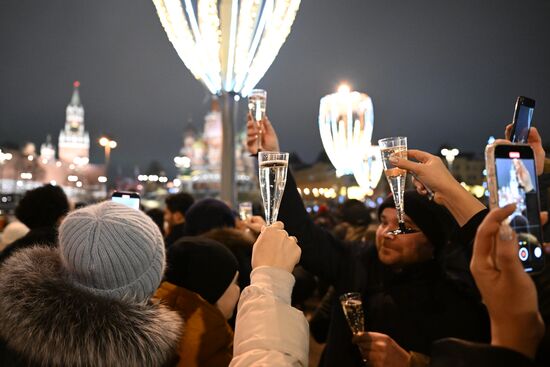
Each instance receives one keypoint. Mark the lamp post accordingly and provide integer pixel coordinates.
(108, 145)
(228, 45)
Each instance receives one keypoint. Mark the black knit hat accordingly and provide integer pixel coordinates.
(42, 207)
(208, 214)
(201, 265)
(432, 219)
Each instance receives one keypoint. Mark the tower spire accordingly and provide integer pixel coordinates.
(75, 100)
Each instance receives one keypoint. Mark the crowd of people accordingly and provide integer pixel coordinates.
(109, 285)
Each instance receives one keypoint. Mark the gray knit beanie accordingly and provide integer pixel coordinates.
(112, 250)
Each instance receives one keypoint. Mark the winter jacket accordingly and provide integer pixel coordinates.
(270, 332)
(47, 321)
(207, 339)
(177, 232)
(415, 307)
(45, 236)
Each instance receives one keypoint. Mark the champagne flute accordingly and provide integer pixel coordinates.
(273, 168)
(396, 146)
(353, 309)
(245, 210)
(257, 100)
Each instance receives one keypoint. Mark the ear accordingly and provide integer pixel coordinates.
(178, 217)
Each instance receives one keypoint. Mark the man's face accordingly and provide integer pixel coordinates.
(400, 250)
(172, 218)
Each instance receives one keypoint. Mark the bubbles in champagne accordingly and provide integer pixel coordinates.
(396, 176)
(353, 309)
(256, 105)
(272, 185)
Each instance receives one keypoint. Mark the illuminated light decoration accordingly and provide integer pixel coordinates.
(53, 182)
(369, 170)
(346, 121)
(102, 179)
(227, 45)
(26, 176)
(30, 158)
(72, 178)
(78, 184)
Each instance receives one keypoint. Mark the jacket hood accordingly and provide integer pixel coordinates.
(50, 322)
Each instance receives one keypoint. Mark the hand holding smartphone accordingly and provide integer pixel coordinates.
(523, 115)
(512, 178)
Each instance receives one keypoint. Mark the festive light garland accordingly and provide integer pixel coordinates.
(227, 44)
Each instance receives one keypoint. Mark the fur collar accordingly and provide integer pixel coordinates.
(50, 322)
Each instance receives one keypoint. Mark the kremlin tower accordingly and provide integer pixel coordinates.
(74, 141)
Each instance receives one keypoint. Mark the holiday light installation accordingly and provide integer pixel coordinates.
(228, 45)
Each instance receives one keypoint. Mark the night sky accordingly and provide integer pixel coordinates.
(439, 71)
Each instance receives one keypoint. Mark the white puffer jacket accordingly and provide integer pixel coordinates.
(269, 331)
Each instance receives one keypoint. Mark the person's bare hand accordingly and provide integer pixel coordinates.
(270, 142)
(535, 141)
(379, 350)
(430, 171)
(508, 292)
(276, 248)
(255, 224)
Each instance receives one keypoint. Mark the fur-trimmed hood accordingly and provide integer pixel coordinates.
(49, 322)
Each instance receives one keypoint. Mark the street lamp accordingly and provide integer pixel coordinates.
(3, 158)
(108, 144)
(450, 155)
(228, 45)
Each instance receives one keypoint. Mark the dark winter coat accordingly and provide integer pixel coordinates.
(177, 232)
(460, 353)
(45, 236)
(415, 307)
(46, 321)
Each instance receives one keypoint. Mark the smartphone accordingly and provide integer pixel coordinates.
(130, 199)
(512, 178)
(523, 114)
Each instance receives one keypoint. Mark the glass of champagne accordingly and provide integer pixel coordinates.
(353, 309)
(257, 100)
(273, 167)
(396, 146)
(245, 210)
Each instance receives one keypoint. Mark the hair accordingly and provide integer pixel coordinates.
(180, 202)
(42, 207)
(157, 216)
(208, 214)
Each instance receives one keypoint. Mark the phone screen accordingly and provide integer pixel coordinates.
(128, 200)
(522, 122)
(517, 183)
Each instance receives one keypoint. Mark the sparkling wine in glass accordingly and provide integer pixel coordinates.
(273, 167)
(257, 100)
(353, 309)
(396, 146)
(245, 210)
